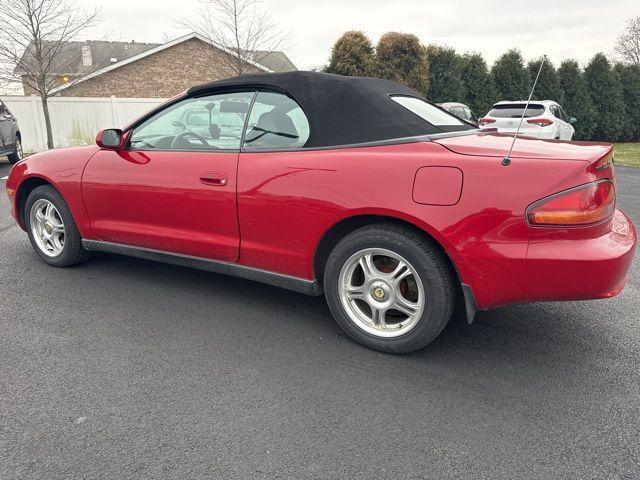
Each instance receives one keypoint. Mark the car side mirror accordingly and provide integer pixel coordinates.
(109, 139)
(572, 120)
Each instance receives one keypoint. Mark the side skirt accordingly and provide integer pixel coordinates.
(301, 285)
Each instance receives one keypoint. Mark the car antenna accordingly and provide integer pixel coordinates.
(506, 161)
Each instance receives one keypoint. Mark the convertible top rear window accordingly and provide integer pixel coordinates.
(430, 113)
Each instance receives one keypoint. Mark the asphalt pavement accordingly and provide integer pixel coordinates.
(122, 368)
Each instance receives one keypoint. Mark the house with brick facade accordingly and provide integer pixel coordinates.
(135, 70)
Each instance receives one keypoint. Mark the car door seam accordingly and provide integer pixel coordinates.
(84, 203)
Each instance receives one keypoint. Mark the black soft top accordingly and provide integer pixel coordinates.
(341, 110)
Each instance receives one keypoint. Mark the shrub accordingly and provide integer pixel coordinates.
(402, 58)
(445, 75)
(510, 76)
(352, 55)
(576, 99)
(479, 86)
(606, 93)
(548, 86)
(630, 77)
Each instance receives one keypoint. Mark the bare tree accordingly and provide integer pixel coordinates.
(35, 38)
(628, 44)
(240, 28)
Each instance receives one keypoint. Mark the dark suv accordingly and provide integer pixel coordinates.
(10, 139)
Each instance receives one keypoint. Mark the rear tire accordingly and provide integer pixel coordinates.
(52, 229)
(362, 288)
(17, 154)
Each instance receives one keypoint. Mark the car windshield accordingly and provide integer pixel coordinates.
(514, 110)
(432, 114)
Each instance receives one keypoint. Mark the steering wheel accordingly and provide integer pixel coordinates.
(183, 137)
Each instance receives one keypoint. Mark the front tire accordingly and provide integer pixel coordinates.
(17, 154)
(389, 288)
(51, 228)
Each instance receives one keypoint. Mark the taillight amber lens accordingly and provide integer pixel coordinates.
(585, 205)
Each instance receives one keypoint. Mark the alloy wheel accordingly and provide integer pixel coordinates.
(381, 292)
(47, 227)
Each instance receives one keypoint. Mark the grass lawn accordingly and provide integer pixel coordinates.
(628, 154)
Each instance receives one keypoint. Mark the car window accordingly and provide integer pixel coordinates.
(197, 118)
(511, 110)
(211, 122)
(557, 112)
(426, 111)
(465, 113)
(563, 114)
(276, 121)
(458, 111)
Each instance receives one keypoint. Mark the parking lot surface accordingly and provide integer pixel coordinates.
(122, 368)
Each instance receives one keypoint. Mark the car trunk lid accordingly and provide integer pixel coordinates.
(493, 144)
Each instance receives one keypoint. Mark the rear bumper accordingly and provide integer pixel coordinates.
(581, 269)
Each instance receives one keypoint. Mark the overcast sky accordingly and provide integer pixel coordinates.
(561, 28)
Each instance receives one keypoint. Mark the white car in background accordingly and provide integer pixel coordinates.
(543, 119)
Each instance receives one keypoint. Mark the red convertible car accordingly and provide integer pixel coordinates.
(358, 188)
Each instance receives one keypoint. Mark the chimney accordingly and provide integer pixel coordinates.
(87, 60)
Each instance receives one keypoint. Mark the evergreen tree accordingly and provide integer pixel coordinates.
(576, 99)
(630, 75)
(478, 82)
(445, 75)
(606, 92)
(511, 77)
(402, 58)
(548, 86)
(352, 55)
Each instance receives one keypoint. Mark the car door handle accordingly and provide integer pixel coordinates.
(216, 179)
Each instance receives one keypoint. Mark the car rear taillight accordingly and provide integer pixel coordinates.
(543, 122)
(486, 121)
(584, 205)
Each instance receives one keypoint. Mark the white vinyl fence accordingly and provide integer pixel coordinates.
(74, 120)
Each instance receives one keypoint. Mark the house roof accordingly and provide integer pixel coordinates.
(70, 60)
(276, 61)
(266, 61)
